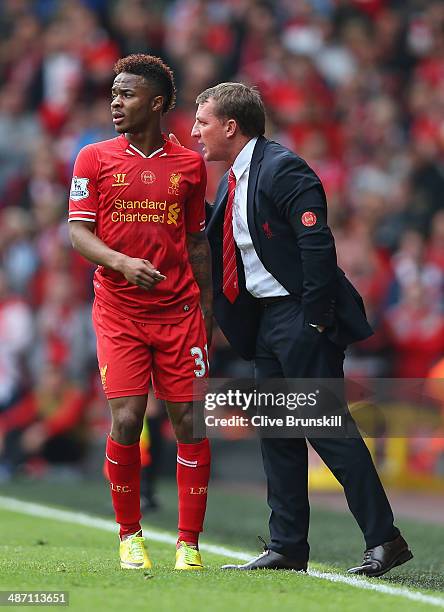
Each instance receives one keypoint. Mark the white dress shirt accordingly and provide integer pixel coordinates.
(260, 283)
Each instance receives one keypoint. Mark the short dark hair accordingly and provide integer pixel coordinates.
(154, 70)
(239, 102)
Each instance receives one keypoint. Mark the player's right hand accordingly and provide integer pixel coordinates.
(141, 272)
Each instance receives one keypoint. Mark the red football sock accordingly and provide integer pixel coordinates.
(193, 473)
(123, 463)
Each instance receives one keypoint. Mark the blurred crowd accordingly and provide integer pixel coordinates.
(356, 87)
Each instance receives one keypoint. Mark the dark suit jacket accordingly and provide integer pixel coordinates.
(297, 249)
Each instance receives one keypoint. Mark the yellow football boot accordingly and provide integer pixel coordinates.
(133, 553)
(188, 558)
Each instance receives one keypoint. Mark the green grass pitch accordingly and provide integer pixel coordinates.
(44, 554)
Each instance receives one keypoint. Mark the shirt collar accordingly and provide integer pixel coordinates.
(243, 160)
(132, 150)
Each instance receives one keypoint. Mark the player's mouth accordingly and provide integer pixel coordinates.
(118, 118)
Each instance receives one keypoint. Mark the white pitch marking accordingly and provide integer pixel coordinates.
(371, 585)
(80, 518)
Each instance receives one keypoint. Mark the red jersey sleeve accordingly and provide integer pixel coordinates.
(83, 196)
(195, 208)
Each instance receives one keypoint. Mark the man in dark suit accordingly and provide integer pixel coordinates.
(281, 300)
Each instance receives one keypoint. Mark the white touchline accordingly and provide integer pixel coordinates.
(80, 518)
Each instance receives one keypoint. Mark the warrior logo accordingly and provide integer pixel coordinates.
(119, 179)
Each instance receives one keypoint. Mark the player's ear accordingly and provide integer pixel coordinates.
(157, 103)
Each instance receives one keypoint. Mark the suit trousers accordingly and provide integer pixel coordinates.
(287, 347)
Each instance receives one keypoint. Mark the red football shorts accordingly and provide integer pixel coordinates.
(130, 354)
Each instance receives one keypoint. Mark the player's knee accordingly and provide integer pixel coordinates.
(183, 426)
(126, 426)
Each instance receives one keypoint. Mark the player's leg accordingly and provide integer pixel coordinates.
(123, 460)
(193, 473)
(179, 358)
(123, 465)
(152, 447)
(125, 368)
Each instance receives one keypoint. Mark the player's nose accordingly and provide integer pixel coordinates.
(195, 131)
(115, 102)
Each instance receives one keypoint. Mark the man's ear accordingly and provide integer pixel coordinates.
(157, 103)
(230, 128)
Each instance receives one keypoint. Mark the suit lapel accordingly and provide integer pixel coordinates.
(256, 162)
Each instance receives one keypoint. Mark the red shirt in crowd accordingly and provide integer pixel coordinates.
(417, 336)
(59, 414)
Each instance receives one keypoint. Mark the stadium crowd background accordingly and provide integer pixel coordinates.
(356, 87)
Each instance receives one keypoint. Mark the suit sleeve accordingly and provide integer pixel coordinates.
(195, 206)
(83, 194)
(300, 198)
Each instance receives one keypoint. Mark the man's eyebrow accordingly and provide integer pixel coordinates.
(122, 88)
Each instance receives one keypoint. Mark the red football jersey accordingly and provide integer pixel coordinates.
(142, 206)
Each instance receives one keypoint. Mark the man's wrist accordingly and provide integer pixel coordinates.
(118, 261)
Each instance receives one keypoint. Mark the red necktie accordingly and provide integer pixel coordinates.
(230, 282)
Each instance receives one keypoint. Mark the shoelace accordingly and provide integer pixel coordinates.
(368, 555)
(266, 549)
(137, 549)
(189, 554)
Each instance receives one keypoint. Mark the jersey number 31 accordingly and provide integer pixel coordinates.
(200, 360)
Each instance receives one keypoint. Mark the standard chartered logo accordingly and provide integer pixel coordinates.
(145, 211)
(173, 214)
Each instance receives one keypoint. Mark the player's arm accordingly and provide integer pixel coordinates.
(200, 260)
(136, 271)
(83, 209)
(198, 246)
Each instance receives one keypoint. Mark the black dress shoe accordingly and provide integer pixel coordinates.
(271, 560)
(381, 559)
